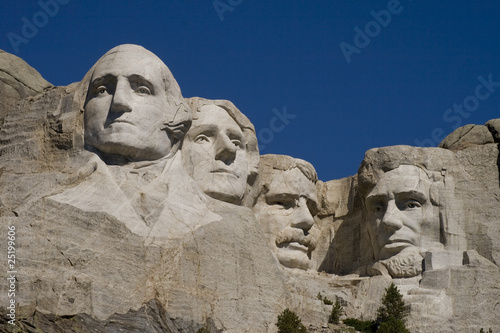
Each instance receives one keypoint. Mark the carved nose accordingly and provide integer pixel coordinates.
(302, 217)
(392, 218)
(122, 98)
(225, 150)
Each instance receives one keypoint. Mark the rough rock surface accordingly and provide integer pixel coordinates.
(18, 80)
(466, 136)
(494, 127)
(84, 265)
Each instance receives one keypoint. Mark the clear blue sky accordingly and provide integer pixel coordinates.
(286, 54)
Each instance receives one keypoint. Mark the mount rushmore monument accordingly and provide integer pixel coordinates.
(134, 209)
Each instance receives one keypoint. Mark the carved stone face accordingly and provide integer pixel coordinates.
(399, 212)
(285, 212)
(127, 106)
(214, 154)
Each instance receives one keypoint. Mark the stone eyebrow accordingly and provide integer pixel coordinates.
(102, 79)
(411, 194)
(238, 133)
(204, 129)
(137, 78)
(284, 195)
(373, 197)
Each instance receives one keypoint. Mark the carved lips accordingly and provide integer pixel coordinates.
(225, 171)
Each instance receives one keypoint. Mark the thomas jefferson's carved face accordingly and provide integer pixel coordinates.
(400, 215)
(285, 212)
(127, 106)
(214, 154)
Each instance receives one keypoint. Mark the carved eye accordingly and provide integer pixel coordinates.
(283, 204)
(237, 143)
(143, 90)
(377, 208)
(101, 90)
(286, 204)
(411, 204)
(202, 138)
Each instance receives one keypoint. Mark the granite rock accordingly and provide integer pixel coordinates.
(139, 243)
(18, 80)
(466, 136)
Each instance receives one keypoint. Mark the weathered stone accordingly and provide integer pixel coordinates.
(467, 136)
(113, 238)
(494, 127)
(442, 259)
(336, 196)
(18, 80)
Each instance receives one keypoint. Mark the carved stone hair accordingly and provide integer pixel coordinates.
(271, 162)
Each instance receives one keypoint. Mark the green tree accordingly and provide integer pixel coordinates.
(393, 325)
(365, 326)
(391, 315)
(289, 322)
(203, 330)
(337, 311)
(392, 305)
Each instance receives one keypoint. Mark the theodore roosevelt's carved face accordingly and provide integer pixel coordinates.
(214, 154)
(127, 105)
(285, 212)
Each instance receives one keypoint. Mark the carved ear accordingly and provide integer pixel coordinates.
(435, 189)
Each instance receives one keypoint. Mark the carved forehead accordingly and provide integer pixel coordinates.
(271, 164)
(403, 179)
(215, 115)
(131, 51)
(132, 61)
(292, 182)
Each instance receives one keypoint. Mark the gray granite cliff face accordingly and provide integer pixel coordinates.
(17, 81)
(138, 210)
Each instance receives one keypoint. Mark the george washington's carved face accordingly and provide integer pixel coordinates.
(127, 105)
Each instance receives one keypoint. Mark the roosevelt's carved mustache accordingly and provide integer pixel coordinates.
(291, 235)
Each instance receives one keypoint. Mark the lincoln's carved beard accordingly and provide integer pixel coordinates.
(405, 264)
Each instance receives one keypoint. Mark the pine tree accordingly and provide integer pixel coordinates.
(289, 322)
(392, 305)
(393, 325)
(337, 311)
(391, 315)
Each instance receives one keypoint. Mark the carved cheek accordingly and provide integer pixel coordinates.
(413, 220)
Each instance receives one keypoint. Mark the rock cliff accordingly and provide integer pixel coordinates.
(107, 244)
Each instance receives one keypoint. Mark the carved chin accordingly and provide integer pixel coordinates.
(293, 258)
(224, 188)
